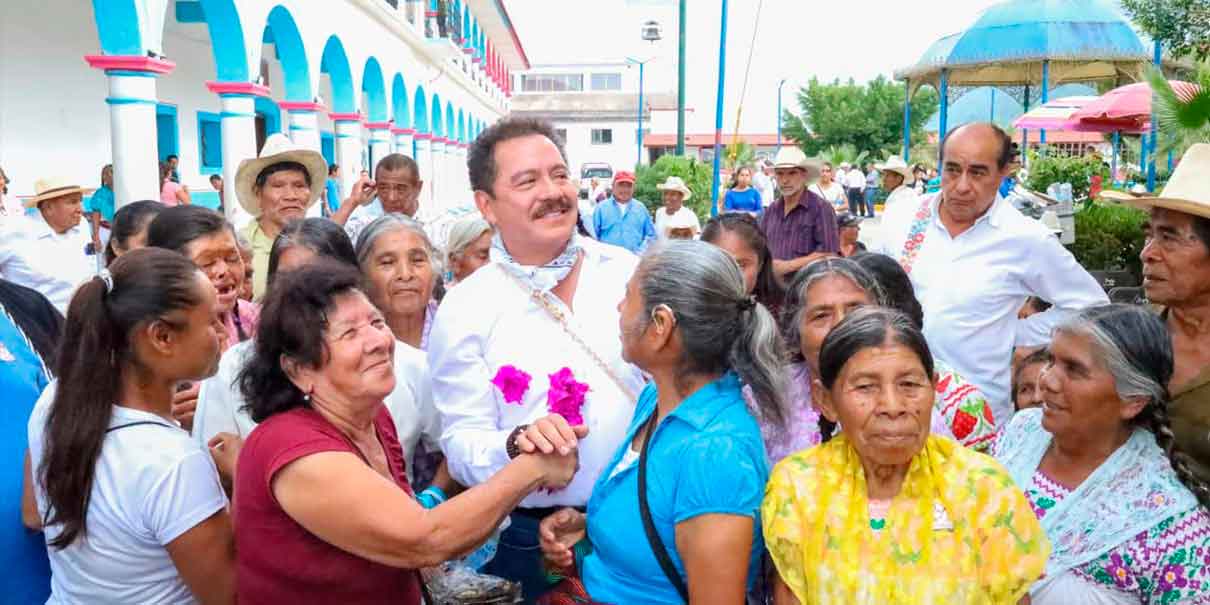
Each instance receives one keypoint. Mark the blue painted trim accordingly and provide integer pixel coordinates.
(289, 45)
(236, 114)
(347, 136)
(204, 118)
(298, 127)
(335, 63)
(327, 147)
(167, 142)
(269, 110)
(226, 39)
(130, 73)
(118, 29)
(420, 121)
(129, 101)
(190, 11)
(236, 95)
(373, 85)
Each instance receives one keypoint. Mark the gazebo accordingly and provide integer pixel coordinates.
(1024, 47)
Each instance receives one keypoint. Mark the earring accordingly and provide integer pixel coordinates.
(307, 396)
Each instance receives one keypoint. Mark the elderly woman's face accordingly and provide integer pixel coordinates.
(473, 257)
(826, 302)
(218, 256)
(883, 400)
(1027, 392)
(284, 197)
(1078, 392)
(401, 273)
(361, 349)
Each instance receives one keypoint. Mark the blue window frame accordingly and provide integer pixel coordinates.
(166, 130)
(209, 142)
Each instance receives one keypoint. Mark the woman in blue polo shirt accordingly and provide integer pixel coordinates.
(693, 449)
(742, 197)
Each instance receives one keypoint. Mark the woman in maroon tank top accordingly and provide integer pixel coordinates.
(323, 507)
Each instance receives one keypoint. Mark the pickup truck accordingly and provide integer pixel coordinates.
(590, 170)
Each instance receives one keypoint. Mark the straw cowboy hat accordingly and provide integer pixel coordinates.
(50, 188)
(278, 149)
(898, 166)
(793, 157)
(674, 183)
(1187, 191)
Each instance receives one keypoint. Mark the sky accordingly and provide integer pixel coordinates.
(795, 40)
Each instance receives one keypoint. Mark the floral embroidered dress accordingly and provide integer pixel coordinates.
(959, 531)
(1130, 534)
(960, 412)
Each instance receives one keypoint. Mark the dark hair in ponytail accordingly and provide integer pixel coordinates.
(95, 352)
(1136, 349)
(721, 327)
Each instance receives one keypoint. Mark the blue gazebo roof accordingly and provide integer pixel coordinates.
(1082, 39)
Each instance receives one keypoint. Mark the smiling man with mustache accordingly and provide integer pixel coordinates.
(974, 259)
(493, 325)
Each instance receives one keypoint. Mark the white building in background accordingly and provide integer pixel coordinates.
(594, 106)
(131, 82)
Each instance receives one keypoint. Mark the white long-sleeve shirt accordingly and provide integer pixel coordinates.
(971, 287)
(55, 264)
(489, 322)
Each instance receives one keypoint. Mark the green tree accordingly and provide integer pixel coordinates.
(867, 116)
(738, 154)
(843, 154)
(1181, 26)
(697, 176)
(1183, 118)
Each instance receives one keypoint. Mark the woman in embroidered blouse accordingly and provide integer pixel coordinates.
(818, 299)
(886, 512)
(1099, 465)
(688, 321)
(402, 268)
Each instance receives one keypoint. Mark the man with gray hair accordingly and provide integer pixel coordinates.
(974, 259)
(397, 184)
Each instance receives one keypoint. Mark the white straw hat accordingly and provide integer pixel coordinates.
(1187, 191)
(897, 165)
(674, 183)
(793, 157)
(278, 148)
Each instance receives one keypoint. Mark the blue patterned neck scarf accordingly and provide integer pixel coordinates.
(544, 277)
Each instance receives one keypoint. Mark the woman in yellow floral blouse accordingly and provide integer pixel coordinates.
(884, 512)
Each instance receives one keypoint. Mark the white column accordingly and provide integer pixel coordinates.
(462, 195)
(424, 159)
(348, 152)
(403, 141)
(239, 144)
(132, 130)
(304, 129)
(380, 143)
(440, 180)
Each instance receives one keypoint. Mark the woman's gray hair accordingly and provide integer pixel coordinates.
(722, 327)
(389, 223)
(796, 293)
(462, 234)
(1134, 352)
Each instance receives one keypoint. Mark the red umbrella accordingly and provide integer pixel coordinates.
(1124, 109)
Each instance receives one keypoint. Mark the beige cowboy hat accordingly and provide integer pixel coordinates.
(793, 157)
(1187, 191)
(898, 166)
(674, 183)
(278, 148)
(50, 188)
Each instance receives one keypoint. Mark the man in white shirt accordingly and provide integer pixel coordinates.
(674, 214)
(854, 186)
(764, 183)
(547, 303)
(897, 181)
(974, 259)
(398, 185)
(51, 252)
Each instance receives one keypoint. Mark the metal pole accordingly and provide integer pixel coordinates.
(1117, 145)
(680, 77)
(779, 85)
(1025, 133)
(718, 109)
(991, 112)
(945, 107)
(1045, 98)
(907, 119)
(639, 160)
(1154, 134)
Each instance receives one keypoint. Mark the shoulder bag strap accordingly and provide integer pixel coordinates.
(653, 538)
(130, 424)
(557, 315)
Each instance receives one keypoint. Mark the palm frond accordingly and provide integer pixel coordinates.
(1182, 116)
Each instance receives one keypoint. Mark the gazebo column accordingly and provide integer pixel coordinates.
(1157, 57)
(1045, 96)
(1117, 147)
(907, 120)
(945, 109)
(1025, 132)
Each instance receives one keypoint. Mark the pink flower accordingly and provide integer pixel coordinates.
(566, 396)
(512, 382)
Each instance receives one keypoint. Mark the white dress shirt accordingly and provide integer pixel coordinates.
(488, 322)
(681, 219)
(54, 264)
(902, 194)
(854, 179)
(220, 406)
(971, 287)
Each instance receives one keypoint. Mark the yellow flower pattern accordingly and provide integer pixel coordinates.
(985, 546)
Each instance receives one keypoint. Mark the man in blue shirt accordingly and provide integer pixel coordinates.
(622, 221)
(332, 190)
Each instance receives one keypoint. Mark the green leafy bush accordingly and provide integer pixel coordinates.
(697, 175)
(1047, 169)
(1109, 236)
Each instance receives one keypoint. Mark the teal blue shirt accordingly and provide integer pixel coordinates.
(101, 201)
(632, 230)
(706, 457)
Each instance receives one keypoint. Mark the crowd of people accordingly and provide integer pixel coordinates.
(610, 409)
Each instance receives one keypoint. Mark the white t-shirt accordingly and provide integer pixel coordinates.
(681, 219)
(833, 193)
(151, 485)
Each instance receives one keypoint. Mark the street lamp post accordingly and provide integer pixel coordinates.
(779, 85)
(680, 89)
(718, 110)
(651, 33)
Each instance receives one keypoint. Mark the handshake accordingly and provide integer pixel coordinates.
(551, 444)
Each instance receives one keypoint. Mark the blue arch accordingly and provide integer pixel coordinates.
(335, 63)
(420, 111)
(466, 27)
(399, 103)
(226, 40)
(118, 27)
(288, 42)
(437, 123)
(271, 112)
(451, 123)
(374, 87)
(462, 138)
